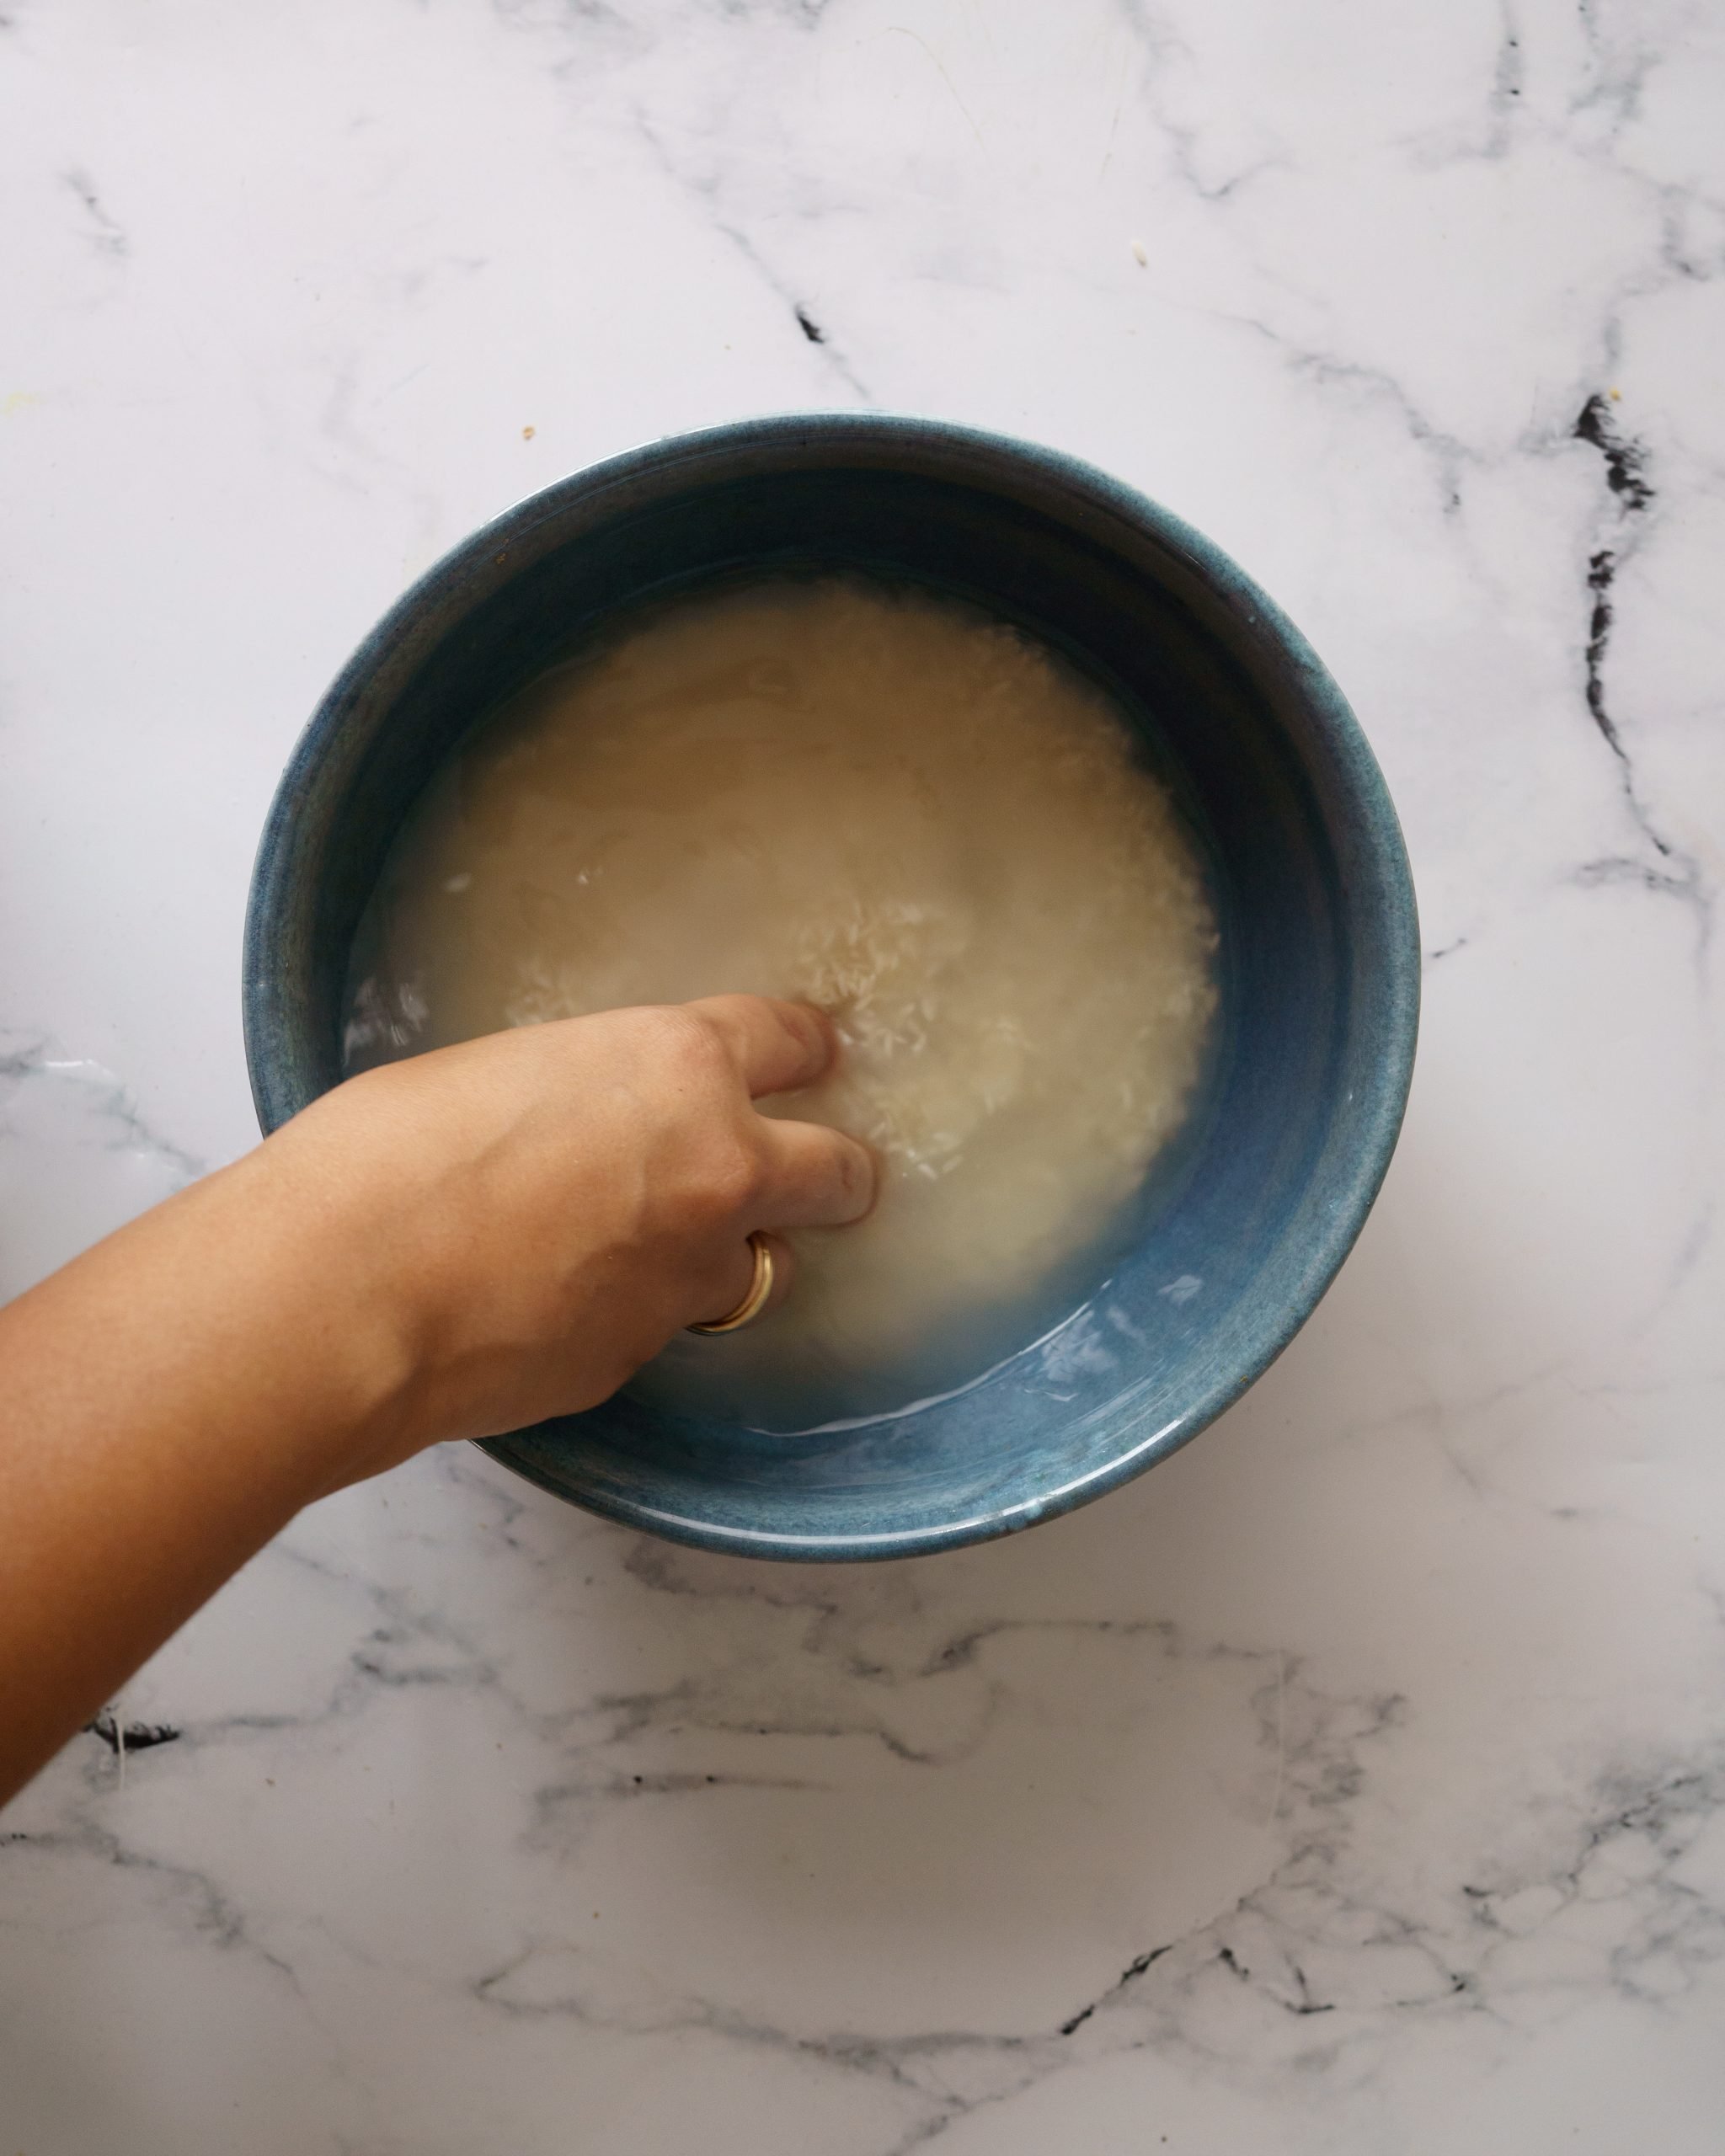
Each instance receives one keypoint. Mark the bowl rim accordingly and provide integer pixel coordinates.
(1352, 1190)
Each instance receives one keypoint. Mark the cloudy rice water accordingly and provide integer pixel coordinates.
(893, 806)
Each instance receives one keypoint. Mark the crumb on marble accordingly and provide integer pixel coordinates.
(528, 433)
(1138, 255)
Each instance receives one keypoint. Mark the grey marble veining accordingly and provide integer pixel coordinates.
(1355, 1783)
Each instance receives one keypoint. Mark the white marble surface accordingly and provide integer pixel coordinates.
(1354, 1783)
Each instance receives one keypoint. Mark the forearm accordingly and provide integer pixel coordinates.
(168, 1402)
(467, 1242)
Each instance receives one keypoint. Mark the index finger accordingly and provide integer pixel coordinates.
(777, 1047)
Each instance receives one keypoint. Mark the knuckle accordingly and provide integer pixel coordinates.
(813, 1032)
(799, 1021)
(732, 1176)
(691, 1045)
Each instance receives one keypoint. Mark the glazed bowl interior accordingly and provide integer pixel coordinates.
(1260, 1198)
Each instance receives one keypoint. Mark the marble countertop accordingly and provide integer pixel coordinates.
(1355, 1782)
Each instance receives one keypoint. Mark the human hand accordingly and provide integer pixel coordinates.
(446, 1248)
(515, 1225)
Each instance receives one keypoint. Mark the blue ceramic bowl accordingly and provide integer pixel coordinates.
(1320, 958)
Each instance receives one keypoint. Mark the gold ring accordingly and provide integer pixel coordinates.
(752, 1304)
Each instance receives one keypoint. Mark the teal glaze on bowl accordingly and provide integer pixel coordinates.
(1286, 1150)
